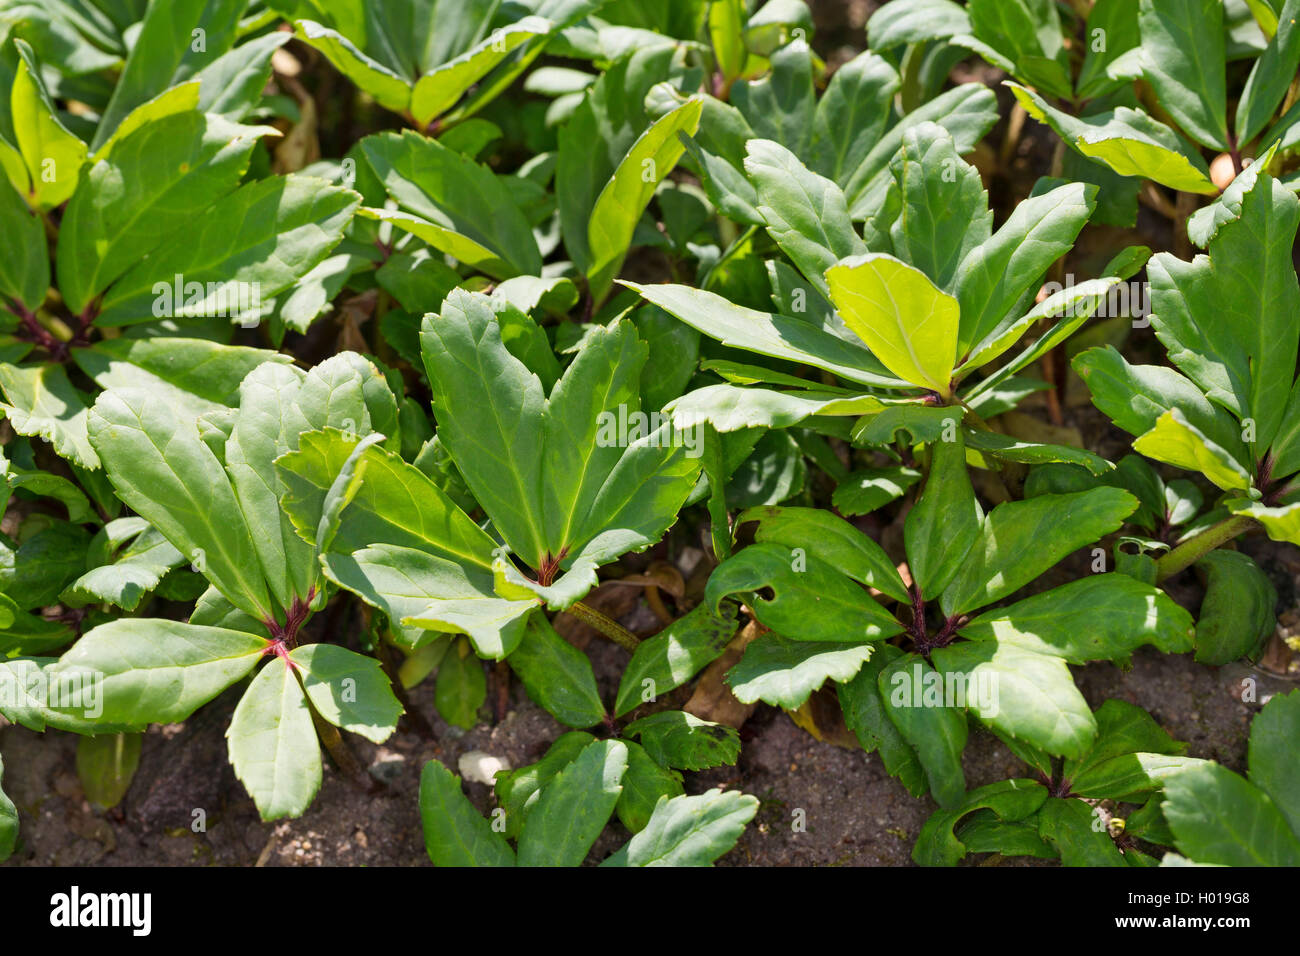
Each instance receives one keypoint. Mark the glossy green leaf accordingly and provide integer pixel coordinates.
(643, 784)
(784, 673)
(1272, 765)
(464, 206)
(865, 713)
(1025, 695)
(273, 744)
(1010, 800)
(42, 401)
(557, 675)
(1019, 540)
(1219, 818)
(677, 739)
(689, 830)
(805, 213)
(675, 655)
(1183, 58)
(155, 671)
(460, 687)
(347, 689)
(455, 833)
(161, 468)
(574, 807)
(1101, 617)
(945, 525)
(913, 694)
(1128, 141)
(150, 189)
(811, 599)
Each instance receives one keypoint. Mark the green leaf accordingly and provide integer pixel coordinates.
(967, 111)
(557, 675)
(389, 89)
(517, 790)
(105, 766)
(625, 197)
(852, 113)
(993, 445)
(161, 469)
(52, 153)
(689, 830)
(147, 671)
(915, 21)
(777, 336)
(805, 213)
(677, 739)
(458, 206)
(830, 539)
(560, 479)
(811, 599)
(863, 491)
(134, 572)
(148, 191)
(1123, 729)
(1009, 800)
(865, 714)
(940, 531)
(42, 402)
(1238, 613)
(912, 691)
(460, 687)
(780, 105)
(643, 784)
(908, 323)
(675, 655)
(1121, 613)
(1231, 322)
(1128, 141)
(1025, 695)
(455, 834)
(439, 89)
(1135, 396)
(1176, 441)
(1019, 540)
(1281, 523)
(164, 53)
(573, 807)
(995, 276)
(1219, 818)
(285, 227)
(232, 84)
(1272, 747)
(1072, 826)
(1271, 75)
(944, 212)
(784, 673)
(8, 821)
(347, 689)
(25, 267)
(1183, 58)
(1119, 23)
(730, 408)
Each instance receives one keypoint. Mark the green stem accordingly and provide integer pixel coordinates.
(1198, 546)
(615, 631)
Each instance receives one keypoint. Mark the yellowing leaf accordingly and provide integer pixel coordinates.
(906, 320)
